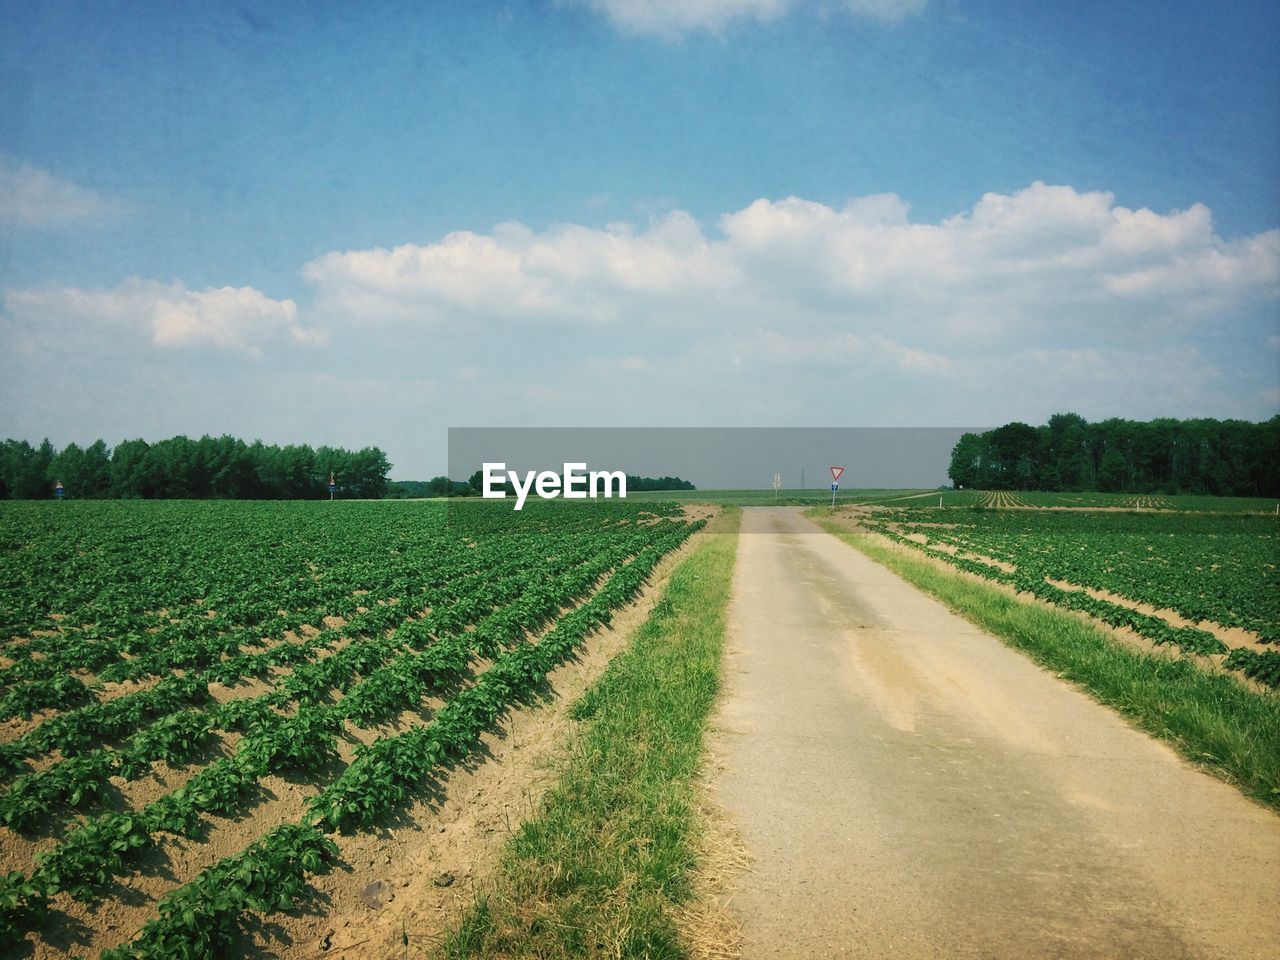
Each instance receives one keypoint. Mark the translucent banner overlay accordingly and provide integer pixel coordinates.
(760, 465)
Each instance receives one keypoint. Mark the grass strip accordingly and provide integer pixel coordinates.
(601, 867)
(1208, 717)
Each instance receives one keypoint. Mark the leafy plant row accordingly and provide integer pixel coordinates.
(102, 848)
(1159, 631)
(1206, 567)
(71, 733)
(382, 773)
(481, 588)
(78, 781)
(117, 568)
(199, 920)
(1263, 667)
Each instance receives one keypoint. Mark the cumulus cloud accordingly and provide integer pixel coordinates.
(32, 197)
(169, 315)
(1011, 266)
(673, 19)
(786, 310)
(568, 273)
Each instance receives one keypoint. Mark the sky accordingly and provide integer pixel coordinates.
(365, 224)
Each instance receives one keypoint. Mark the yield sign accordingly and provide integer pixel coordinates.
(835, 473)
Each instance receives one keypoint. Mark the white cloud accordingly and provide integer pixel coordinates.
(1013, 267)
(32, 197)
(673, 19)
(1208, 268)
(566, 274)
(237, 319)
(784, 311)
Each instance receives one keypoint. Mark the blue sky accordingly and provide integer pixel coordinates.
(330, 224)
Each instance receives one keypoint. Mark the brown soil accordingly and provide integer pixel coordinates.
(1100, 509)
(948, 548)
(1231, 636)
(699, 511)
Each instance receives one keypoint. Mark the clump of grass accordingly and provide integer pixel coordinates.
(604, 866)
(1210, 718)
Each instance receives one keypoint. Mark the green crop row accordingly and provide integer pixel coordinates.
(79, 780)
(203, 918)
(1030, 577)
(1219, 568)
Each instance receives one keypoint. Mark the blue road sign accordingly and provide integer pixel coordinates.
(835, 487)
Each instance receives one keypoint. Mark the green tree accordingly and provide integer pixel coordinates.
(1111, 472)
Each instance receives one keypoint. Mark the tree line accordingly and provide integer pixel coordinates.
(1220, 457)
(473, 487)
(637, 484)
(181, 468)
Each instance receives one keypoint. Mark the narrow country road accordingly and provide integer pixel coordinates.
(910, 787)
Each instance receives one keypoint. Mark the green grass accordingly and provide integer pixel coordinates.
(1208, 717)
(601, 868)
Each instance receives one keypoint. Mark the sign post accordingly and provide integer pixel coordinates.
(58, 491)
(333, 487)
(777, 485)
(835, 482)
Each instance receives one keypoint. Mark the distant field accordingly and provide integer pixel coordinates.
(992, 499)
(754, 498)
(1106, 501)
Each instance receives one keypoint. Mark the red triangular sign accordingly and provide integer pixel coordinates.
(835, 473)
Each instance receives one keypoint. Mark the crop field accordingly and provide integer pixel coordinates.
(784, 497)
(161, 662)
(1204, 583)
(986, 499)
(1012, 499)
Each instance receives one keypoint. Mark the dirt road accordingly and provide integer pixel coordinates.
(910, 787)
